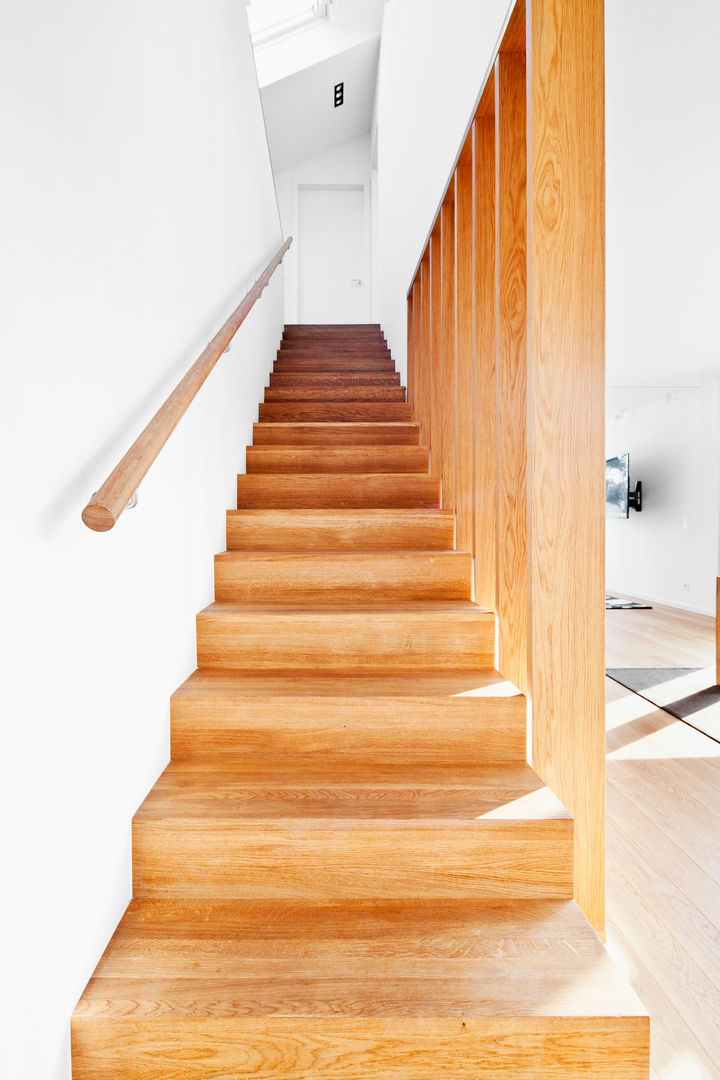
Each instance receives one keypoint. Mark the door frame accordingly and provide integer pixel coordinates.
(293, 277)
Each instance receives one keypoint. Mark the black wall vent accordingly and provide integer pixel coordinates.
(339, 94)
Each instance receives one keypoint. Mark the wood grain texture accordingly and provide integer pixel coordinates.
(333, 363)
(339, 411)
(449, 364)
(485, 448)
(356, 392)
(566, 359)
(289, 718)
(663, 847)
(337, 459)
(318, 834)
(410, 339)
(436, 358)
(514, 37)
(420, 1048)
(349, 869)
(343, 577)
(330, 378)
(323, 491)
(389, 433)
(417, 348)
(109, 501)
(367, 529)
(353, 636)
(464, 356)
(425, 380)
(511, 323)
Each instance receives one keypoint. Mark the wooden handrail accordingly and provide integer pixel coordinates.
(108, 503)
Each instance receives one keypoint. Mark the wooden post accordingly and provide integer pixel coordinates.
(566, 414)
(464, 348)
(424, 413)
(484, 542)
(436, 367)
(449, 421)
(410, 341)
(511, 322)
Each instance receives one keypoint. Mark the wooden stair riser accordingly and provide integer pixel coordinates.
(336, 393)
(348, 491)
(340, 530)
(335, 412)
(337, 459)
(333, 363)
(230, 636)
(340, 434)
(334, 378)
(348, 730)
(343, 578)
(315, 858)
(505, 1048)
(338, 347)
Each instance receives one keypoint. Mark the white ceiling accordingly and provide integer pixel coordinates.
(297, 75)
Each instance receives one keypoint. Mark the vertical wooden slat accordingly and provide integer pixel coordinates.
(485, 489)
(464, 349)
(410, 341)
(511, 315)
(417, 316)
(717, 631)
(436, 348)
(424, 381)
(449, 408)
(566, 420)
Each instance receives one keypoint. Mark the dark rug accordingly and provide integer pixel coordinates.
(690, 694)
(615, 603)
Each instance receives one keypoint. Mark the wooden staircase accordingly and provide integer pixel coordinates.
(348, 870)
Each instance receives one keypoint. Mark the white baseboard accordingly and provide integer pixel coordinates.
(663, 601)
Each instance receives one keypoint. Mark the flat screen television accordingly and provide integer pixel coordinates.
(618, 496)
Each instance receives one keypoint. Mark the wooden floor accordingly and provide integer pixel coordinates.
(663, 837)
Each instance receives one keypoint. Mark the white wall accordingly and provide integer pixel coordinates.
(348, 163)
(432, 62)
(663, 283)
(663, 176)
(137, 205)
(667, 553)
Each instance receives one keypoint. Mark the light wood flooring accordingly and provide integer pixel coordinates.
(663, 845)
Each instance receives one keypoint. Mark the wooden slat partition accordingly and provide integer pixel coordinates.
(108, 503)
(449, 368)
(566, 359)
(436, 366)
(522, 248)
(424, 381)
(485, 492)
(511, 316)
(464, 349)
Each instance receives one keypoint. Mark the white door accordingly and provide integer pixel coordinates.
(331, 255)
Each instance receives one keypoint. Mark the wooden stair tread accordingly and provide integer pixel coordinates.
(352, 796)
(478, 683)
(419, 608)
(381, 959)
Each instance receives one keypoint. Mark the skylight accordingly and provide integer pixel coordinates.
(273, 19)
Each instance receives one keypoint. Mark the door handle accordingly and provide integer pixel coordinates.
(355, 281)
